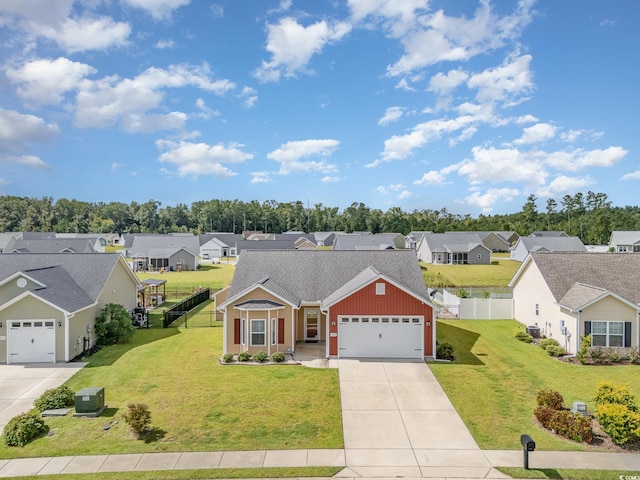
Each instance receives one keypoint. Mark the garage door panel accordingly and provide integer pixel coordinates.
(383, 337)
(31, 341)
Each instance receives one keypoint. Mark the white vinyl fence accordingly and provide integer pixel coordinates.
(475, 308)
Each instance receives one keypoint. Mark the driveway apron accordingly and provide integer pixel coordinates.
(398, 421)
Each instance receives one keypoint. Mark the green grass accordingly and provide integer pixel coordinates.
(470, 275)
(196, 404)
(494, 380)
(564, 473)
(213, 276)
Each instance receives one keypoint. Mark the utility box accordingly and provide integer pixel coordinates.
(89, 400)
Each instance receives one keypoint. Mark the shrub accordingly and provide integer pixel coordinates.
(53, 398)
(550, 398)
(114, 325)
(608, 392)
(597, 354)
(277, 357)
(619, 422)
(138, 417)
(613, 356)
(260, 357)
(633, 355)
(227, 358)
(544, 414)
(244, 356)
(444, 351)
(583, 351)
(524, 337)
(547, 342)
(23, 428)
(555, 350)
(573, 427)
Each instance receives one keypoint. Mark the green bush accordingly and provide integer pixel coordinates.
(244, 356)
(596, 354)
(633, 355)
(524, 337)
(53, 398)
(619, 422)
(547, 342)
(613, 356)
(555, 350)
(227, 358)
(114, 325)
(574, 427)
(260, 357)
(277, 357)
(550, 398)
(607, 393)
(25, 427)
(544, 415)
(138, 417)
(583, 351)
(444, 351)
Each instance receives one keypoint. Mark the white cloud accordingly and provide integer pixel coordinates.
(290, 156)
(249, 96)
(158, 9)
(391, 114)
(398, 17)
(18, 132)
(526, 119)
(45, 81)
(403, 84)
(493, 165)
(631, 176)
(439, 38)
(443, 84)
(217, 10)
(404, 195)
(292, 45)
(82, 34)
(563, 184)
(201, 158)
(165, 44)
(540, 132)
(205, 112)
(487, 200)
(504, 83)
(572, 135)
(432, 177)
(330, 179)
(578, 159)
(260, 177)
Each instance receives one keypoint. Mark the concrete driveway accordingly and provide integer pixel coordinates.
(20, 385)
(398, 421)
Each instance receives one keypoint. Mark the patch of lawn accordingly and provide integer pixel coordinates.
(470, 275)
(196, 403)
(494, 380)
(562, 473)
(215, 276)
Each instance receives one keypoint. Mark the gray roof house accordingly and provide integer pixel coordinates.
(366, 303)
(559, 244)
(324, 239)
(412, 239)
(368, 241)
(453, 248)
(625, 241)
(549, 233)
(169, 252)
(571, 295)
(49, 302)
(51, 245)
(497, 241)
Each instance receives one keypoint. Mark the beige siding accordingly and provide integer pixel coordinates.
(301, 314)
(30, 308)
(120, 288)
(611, 309)
(11, 290)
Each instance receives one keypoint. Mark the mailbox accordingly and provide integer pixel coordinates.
(527, 443)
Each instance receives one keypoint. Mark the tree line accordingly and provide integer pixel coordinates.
(589, 216)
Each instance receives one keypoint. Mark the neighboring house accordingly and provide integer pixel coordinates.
(169, 252)
(324, 239)
(412, 239)
(214, 246)
(453, 249)
(549, 233)
(51, 245)
(303, 243)
(625, 241)
(264, 245)
(49, 302)
(5, 238)
(557, 244)
(361, 303)
(571, 295)
(496, 241)
(368, 241)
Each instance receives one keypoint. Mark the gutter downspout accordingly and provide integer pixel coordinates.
(67, 316)
(327, 330)
(577, 340)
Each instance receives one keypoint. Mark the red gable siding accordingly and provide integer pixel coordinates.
(394, 302)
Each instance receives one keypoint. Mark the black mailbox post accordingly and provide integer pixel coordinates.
(528, 445)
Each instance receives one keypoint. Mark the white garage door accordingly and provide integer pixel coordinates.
(381, 337)
(31, 341)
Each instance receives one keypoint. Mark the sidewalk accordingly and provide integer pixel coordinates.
(450, 462)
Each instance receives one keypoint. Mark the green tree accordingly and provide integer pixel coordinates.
(114, 325)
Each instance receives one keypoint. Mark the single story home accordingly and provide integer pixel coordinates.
(499, 241)
(413, 238)
(571, 295)
(453, 249)
(168, 252)
(625, 241)
(358, 303)
(554, 244)
(368, 241)
(52, 245)
(49, 302)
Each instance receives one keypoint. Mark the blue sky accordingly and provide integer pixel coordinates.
(417, 104)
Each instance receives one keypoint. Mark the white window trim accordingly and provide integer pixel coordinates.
(243, 329)
(380, 288)
(263, 332)
(608, 334)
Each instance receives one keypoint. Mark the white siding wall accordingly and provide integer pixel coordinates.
(611, 308)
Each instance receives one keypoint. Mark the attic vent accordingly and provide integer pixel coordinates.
(380, 288)
(21, 282)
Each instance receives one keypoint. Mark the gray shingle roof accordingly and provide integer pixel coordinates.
(313, 275)
(64, 273)
(368, 241)
(165, 244)
(580, 294)
(553, 244)
(630, 237)
(51, 245)
(618, 273)
(452, 241)
(243, 245)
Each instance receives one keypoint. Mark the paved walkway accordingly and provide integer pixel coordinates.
(397, 423)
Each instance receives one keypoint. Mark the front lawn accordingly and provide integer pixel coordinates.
(494, 380)
(196, 404)
(180, 284)
(497, 275)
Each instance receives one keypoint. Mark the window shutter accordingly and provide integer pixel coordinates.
(587, 328)
(627, 334)
(236, 331)
(281, 330)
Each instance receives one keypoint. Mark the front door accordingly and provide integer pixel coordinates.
(312, 325)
